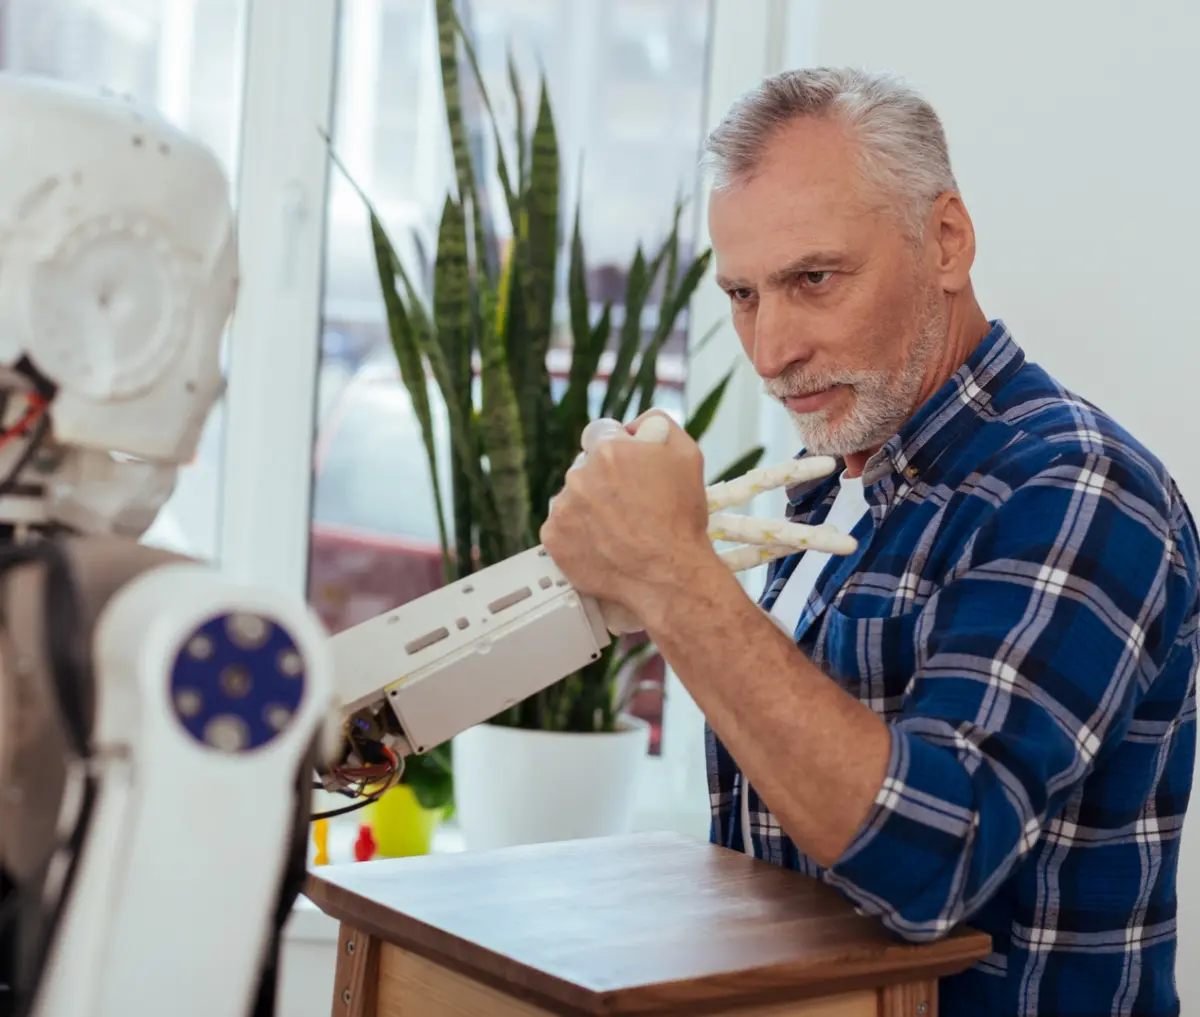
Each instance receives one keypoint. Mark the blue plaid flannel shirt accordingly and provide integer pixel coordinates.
(1022, 609)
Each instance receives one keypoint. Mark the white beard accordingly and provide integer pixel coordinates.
(882, 402)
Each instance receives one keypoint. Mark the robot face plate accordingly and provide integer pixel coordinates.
(118, 267)
(237, 682)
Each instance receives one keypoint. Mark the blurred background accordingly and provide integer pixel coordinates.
(1072, 128)
(628, 82)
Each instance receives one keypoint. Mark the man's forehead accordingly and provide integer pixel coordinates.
(806, 196)
(757, 234)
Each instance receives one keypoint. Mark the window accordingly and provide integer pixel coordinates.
(626, 80)
(260, 85)
(183, 57)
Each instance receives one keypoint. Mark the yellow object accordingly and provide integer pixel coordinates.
(321, 839)
(400, 826)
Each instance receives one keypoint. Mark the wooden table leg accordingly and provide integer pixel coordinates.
(356, 981)
(911, 999)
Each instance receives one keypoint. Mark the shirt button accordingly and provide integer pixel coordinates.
(911, 473)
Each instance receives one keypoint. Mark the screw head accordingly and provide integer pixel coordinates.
(922, 1009)
(346, 996)
(349, 946)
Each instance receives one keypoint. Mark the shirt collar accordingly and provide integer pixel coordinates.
(929, 432)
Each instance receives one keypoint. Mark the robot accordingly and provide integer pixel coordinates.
(145, 700)
(162, 726)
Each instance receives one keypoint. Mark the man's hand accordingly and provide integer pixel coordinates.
(631, 528)
(632, 520)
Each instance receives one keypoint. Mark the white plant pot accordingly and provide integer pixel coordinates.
(513, 786)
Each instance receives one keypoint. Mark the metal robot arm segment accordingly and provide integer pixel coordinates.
(413, 678)
(163, 724)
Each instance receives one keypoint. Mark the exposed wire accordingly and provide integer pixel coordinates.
(33, 425)
(363, 777)
(28, 420)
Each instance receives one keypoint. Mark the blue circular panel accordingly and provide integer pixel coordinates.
(237, 682)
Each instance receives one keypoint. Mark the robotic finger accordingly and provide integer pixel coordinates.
(761, 540)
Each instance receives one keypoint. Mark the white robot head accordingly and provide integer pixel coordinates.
(118, 274)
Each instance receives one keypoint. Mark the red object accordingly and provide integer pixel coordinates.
(37, 406)
(364, 847)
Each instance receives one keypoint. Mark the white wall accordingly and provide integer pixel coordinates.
(1075, 134)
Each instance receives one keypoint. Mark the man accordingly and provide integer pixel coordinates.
(986, 714)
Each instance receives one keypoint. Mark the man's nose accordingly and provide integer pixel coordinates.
(778, 343)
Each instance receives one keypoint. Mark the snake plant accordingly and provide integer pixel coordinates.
(492, 311)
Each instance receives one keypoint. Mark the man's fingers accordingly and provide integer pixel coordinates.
(635, 425)
(655, 428)
(600, 430)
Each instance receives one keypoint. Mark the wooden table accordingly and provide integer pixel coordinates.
(649, 924)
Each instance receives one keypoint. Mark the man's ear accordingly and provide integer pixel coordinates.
(951, 239)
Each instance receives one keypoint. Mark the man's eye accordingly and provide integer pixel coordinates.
(741, 295)
(816, 278)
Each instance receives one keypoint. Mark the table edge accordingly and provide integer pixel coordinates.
(955, 953)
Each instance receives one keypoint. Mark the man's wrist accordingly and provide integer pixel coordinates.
(692, 587)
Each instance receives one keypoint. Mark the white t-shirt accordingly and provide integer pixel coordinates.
(848, 508)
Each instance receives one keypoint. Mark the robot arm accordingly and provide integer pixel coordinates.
(411, 679)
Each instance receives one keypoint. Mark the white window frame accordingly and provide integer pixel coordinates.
(291, 64)
(748, 43)
(264, 530)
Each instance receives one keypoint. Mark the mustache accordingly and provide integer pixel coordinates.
(795, 384)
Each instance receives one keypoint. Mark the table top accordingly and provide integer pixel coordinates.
(630, 924)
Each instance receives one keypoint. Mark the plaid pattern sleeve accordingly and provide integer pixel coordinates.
(1031, 660)
(1024, 612)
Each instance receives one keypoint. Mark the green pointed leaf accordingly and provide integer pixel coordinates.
(744, 464)
(577, 295)
(449, 32)
(538, 252)
(669, 280)
(647, 377)
(631, 335)
(463, 426)
(510, 195)
(702, 418)
(542, 229)
(502, 438)
(637, 286)
(411, 365)
(447, 28)
(514, 83)
(451, 295)
(512, 322)
(407, 327)
(573, 410)
(451, 301)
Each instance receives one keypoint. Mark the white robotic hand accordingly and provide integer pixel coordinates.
(759, 540)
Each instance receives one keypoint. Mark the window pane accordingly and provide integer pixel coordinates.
(183, 57)
(626, 82)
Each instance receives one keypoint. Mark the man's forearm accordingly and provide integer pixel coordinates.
(816, 755)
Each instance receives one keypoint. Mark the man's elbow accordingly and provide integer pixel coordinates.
(916, 930)
(911, 922)
(923, 904)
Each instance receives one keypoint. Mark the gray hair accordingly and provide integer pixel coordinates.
(902, 144)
